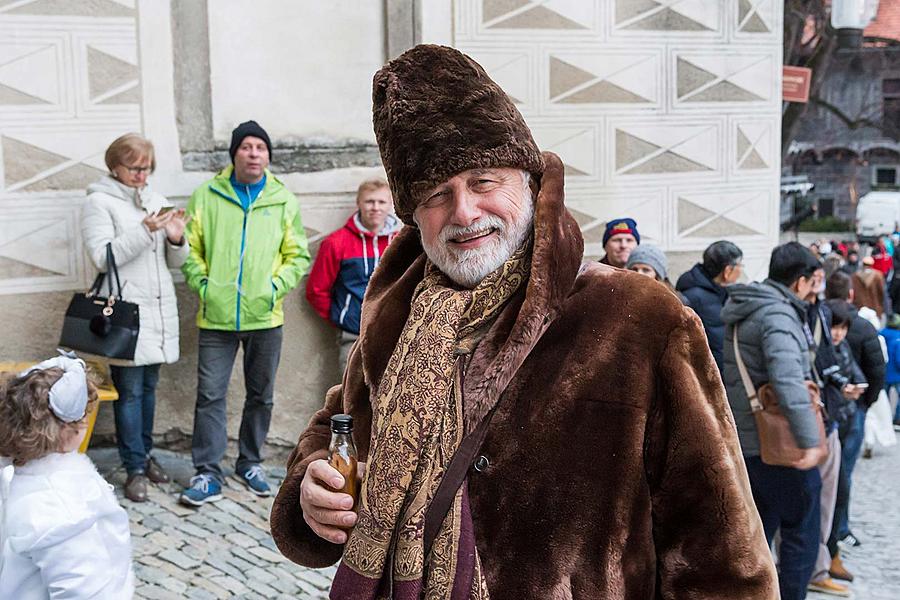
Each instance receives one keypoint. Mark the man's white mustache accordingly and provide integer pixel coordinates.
(483, 224)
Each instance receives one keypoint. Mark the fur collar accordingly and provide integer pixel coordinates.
(558, 247)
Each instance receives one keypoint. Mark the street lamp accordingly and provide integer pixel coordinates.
(849, 18)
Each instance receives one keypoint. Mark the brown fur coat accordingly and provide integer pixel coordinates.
(615, 471)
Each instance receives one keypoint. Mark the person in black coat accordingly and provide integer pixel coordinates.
(704, 288)
(865, 346)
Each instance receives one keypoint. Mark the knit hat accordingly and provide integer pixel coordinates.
(245, 129)
(651, 256)
(436, 114)
(617, 226)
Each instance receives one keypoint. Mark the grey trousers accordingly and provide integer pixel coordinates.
(217, 350)
(829, 472)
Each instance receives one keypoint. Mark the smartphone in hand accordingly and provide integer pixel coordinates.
(164, 210)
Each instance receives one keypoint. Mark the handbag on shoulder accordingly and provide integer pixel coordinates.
(102, 325)
(777, 443)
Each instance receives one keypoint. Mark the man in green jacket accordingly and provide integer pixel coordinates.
(247, 251)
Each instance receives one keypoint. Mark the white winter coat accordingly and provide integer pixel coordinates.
(62, 534)
(114, 213)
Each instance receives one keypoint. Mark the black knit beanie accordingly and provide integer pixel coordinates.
(243, 130)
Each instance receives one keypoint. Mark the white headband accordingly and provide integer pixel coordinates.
(68, 396)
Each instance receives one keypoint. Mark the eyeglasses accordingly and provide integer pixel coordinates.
(137, 170)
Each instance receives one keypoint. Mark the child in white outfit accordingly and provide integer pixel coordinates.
(62, 533)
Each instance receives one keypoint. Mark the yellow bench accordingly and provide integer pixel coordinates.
(106, 391)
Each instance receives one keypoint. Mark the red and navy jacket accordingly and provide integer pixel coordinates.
(344, 264)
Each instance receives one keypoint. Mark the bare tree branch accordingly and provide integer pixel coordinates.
(849, 121)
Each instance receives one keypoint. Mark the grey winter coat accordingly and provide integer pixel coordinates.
(774, 345)
(114, 213)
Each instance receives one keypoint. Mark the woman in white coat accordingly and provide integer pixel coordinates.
(147, 237)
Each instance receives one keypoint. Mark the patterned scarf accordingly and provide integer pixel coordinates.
(417, 426)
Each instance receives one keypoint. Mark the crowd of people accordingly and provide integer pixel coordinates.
(823, 315)
(478, 310)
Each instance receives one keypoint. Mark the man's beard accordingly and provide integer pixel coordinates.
(468, 267)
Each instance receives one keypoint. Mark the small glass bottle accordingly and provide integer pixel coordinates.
(342, 454)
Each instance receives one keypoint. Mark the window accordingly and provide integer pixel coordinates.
(826, 207)
(890, 89)
(885, 176)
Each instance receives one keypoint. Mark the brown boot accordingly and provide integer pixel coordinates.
(838, 570)
(155, 472)
(136, 487)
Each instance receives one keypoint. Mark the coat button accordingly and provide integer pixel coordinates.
(482, 463)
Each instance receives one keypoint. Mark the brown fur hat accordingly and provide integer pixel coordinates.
(436, 114)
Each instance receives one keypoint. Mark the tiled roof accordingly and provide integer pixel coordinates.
(887, 21)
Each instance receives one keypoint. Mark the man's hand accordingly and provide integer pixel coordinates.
(326, 512)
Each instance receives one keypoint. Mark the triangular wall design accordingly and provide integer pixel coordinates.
(493, 9)
(668, 20)
(690, 214)
(539, 17)
(12, 97)
(691, 77)
(106, 72)
(76, 177)
(628, 9)
(603, 91)
(630, 148)
(725, 91)
(74, 8)
(564, 77)
(23, 161)
(667, 162)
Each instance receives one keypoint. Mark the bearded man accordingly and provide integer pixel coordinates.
(604, 461)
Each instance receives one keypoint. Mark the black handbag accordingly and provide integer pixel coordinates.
(102, 325)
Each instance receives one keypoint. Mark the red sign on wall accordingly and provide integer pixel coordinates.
(795, 83)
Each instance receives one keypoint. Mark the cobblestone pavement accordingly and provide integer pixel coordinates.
(225, 550)
(875, 520)
(221, 550)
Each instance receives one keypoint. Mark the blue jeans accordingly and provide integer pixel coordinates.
(134, 412)
(789, 500)
(852, 434)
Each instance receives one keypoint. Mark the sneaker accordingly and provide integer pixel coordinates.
(851, 540)
(204, 488)
(255, 480)
(896, 424)
(829, 586)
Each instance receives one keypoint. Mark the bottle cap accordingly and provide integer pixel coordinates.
(341, 424)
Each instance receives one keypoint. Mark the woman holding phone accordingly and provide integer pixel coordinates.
(147, 236)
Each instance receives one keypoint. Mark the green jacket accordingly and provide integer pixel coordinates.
(243, 263)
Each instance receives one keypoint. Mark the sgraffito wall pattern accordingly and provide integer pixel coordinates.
(70, 83)
(667, 111)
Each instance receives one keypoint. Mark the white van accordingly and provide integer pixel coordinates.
(877, 214)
